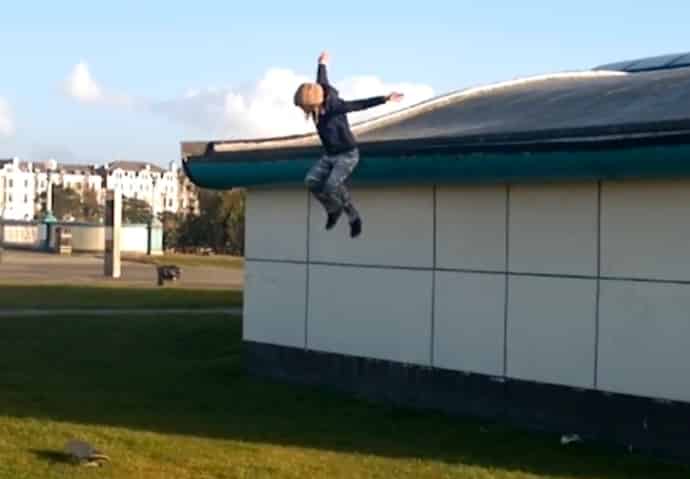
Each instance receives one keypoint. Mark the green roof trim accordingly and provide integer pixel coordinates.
(656, 161)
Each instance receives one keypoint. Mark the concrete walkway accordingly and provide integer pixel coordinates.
(42, 268)
(15, 313)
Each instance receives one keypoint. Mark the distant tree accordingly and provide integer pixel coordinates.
(66, 203)
(234, 221)
(219, 225)
(40, 201)
(92, 210)
(136, 211)
(171, 223)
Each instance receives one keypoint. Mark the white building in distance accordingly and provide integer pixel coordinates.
(17, 189)
(22, 183)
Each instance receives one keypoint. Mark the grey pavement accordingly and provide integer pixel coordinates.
(42, 268)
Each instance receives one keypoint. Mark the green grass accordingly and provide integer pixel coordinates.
(166, 397)
(189, 260)
(14, 296)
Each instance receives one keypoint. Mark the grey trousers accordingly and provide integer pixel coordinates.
(326, 180)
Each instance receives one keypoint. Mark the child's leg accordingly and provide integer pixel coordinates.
(316, 181)
(343, 167)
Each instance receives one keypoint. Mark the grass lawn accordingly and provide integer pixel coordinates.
(13, 296)
(166, 397)
(189, 260)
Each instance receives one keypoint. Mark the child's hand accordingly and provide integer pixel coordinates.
(324, 58)
(396, 97)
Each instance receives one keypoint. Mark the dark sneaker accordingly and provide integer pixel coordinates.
(356, 228)
(333, 219)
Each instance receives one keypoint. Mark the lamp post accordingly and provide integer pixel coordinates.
(49, 219)
(113, 224)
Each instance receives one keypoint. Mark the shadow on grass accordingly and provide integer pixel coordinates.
(185, 376)
(52, 457)
(96, 297)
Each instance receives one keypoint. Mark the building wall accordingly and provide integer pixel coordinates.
(21, 183)
(85, 237)
(18, 192)
(135, 238)
(582, 285)
(88, 237)
(21, 234)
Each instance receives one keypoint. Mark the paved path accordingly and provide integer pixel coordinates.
(16, 313)
(41, 268)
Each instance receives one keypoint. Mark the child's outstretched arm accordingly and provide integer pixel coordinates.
(322, 75)
(357, 105)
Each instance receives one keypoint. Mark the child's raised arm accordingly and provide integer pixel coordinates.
(322, 75)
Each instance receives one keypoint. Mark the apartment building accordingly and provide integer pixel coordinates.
(22, 184)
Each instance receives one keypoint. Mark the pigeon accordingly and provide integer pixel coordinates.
(85, 454)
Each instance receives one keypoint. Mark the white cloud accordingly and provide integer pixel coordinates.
(82, 86)
(6, 119)
(263, 109)
(266, 109)
(366, 86)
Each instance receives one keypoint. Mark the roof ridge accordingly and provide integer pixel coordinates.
(410, 111)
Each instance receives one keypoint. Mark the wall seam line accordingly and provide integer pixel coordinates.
(432, 351)
(307, 262)
(506, 283)
(597, 314)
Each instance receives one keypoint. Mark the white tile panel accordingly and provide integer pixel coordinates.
(275, 303)
(397, 231)
(471, 227)
(470, 322)
(553, 228)
(373, 313)
(551, 330)
(276, 224)
(644, 339)
(646, 229)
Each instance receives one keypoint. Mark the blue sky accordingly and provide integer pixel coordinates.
(159, 72)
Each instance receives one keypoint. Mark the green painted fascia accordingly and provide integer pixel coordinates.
(666, 161)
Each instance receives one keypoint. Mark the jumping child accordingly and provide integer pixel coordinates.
(326, 179)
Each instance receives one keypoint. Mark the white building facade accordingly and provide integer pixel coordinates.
(17, 190)
(23, 185)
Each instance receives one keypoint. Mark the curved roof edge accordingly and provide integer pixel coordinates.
(659, 62)
(617, 160)
(311, 139)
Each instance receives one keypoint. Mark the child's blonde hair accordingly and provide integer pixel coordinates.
(309, 97)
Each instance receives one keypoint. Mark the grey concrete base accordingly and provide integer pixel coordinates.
(643, 425)
(22, 313)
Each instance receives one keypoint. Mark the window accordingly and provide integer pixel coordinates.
(170, 203)
(11, 184)
(9, 198)
(78, 185)
(26, 183)
(26, 198)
